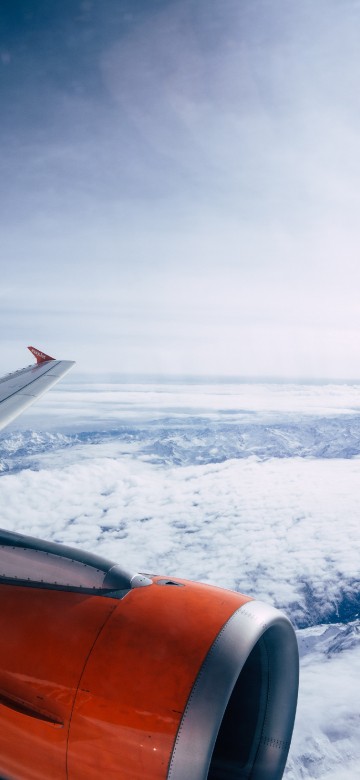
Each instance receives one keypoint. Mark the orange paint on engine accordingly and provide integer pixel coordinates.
(95, 687)
(46, 636)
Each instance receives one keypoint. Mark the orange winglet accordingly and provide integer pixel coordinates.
(40, 356)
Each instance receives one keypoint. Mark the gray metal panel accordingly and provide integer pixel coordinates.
(202, 718)
(20, 389)
(19, 563)
(24, 376)
(33, 562)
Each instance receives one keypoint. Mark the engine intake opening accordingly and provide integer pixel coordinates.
(239, 718)
(234, 747)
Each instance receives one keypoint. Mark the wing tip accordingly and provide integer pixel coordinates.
(41, 357)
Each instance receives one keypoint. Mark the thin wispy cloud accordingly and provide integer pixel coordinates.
(180, 164)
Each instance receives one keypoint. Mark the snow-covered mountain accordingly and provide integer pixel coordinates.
(198, 440)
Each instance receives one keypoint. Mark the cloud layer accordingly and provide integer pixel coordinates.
(205, 479)
(282, 529)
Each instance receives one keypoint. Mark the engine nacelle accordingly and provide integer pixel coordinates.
(104, 674)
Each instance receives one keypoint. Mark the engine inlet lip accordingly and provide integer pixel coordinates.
(210, 694)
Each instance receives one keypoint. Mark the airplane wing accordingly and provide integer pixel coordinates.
(21, 388)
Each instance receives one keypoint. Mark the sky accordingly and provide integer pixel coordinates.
(180, 185)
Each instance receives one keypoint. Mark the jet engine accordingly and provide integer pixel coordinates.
(108, 674)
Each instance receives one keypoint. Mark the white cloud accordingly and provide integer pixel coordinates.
(263, 528)
(284, 530)
(271, 529)
(326, 740)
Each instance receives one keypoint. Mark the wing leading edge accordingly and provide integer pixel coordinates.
(21, 388)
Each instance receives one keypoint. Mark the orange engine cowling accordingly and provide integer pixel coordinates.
(104, 674)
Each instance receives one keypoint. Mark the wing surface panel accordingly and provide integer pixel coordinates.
(21, 388)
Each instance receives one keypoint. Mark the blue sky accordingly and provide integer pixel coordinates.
(180, 185)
